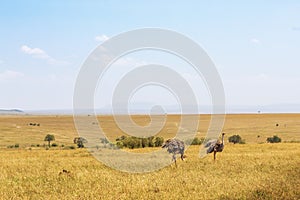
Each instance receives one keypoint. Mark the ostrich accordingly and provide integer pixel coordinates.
(175, 146)
(215, 146)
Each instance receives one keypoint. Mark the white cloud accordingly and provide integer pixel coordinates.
(41, 54)
(9, 75)
(35, 52)
(255, 41)
(101, 38)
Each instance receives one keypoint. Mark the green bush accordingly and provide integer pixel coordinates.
(197, 141)
(194, 141)
(132, 142)
(274, 139)
(236, 139)
(17, 145)
(135, 142)
(151, 143)
(159, 141)
(145, 142)
(120, 144)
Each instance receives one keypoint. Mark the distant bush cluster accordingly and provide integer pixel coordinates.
(132, 142)
(195, 141)
(274, 139)
(236, 139)
(135, 142)
(13, 146)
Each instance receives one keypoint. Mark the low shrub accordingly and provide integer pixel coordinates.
(159, 141)
(54, 145)
(194, 141)
(236, 139)
(197, 141)
(274, 139)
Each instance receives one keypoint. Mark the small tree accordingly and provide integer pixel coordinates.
(80, 141)
(49, 138)
(54, 145)
(235, 139)
(274, 139)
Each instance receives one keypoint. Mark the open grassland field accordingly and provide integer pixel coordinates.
(16, 129)
(255, 170)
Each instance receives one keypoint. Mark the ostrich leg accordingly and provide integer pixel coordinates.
(174, 158)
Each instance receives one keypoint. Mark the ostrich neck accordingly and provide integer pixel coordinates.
(223, 139)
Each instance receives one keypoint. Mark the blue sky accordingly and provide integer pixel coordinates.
(254, 44)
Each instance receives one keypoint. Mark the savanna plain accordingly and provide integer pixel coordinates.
(254, 170)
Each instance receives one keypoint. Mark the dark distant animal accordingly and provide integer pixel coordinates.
(215, 146)
(64, 171)
(175, 146)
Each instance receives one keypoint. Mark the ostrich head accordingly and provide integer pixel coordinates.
(166, 143)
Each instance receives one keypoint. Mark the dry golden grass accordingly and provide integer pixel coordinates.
(15, 129)
(258, 171)
(250, 171)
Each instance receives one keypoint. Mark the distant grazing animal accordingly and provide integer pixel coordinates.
(64, 171)
(175, 146)
(215, 146)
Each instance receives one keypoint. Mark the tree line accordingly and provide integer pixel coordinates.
(132, 142)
